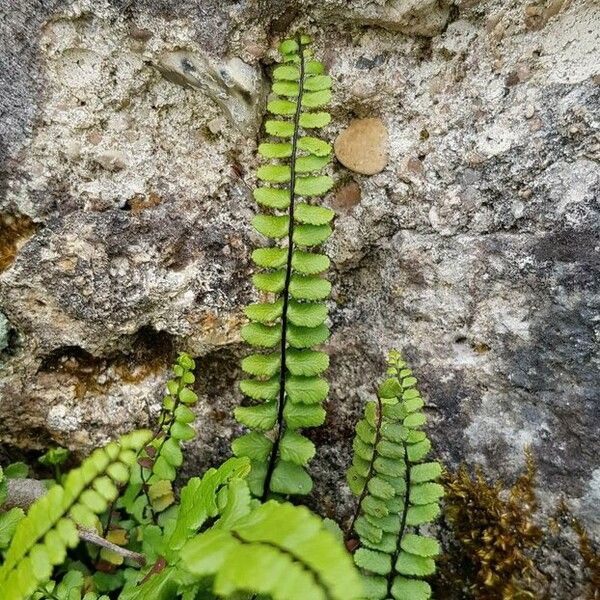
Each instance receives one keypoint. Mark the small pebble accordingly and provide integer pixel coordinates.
(362, 146)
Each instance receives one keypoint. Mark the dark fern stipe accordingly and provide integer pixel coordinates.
(397, 491)
(285, 386)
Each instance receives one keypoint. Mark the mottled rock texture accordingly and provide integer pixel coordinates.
(476, 251)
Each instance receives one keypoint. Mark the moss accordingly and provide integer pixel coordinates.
(14, 230)
(496, 534)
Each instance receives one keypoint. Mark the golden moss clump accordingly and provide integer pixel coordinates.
(496, 532)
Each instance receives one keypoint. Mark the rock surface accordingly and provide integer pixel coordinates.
(475, 252)
(362, 146)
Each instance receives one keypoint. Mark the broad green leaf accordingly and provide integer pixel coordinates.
(314, 120)
(365, 432)
(409, 382)
(264, 312)
(311, 235)
(367, 531)
(388, 466)
(172, 452)
(299, 416)
(315, 185)
(283, 129)
(419, 515)
(314, 145)
(420, 545)
(413, 404)
(306, 390)
(263, 336)
(305, 337)
(237, 505)
(272, 150)
(356, 482)
(363, 467)
(296, 448)
(274, 173)
(387, 543)
(254, 445)
(306, 362)
(8, 524)
(271, 226)
(309, 263)
(313, 215)
(181, 431)
(272, 282)
(278, 198)
(390, 388)
(389, 523)
(256, 478)
(375, 588)
(317, 82)
(282, 107)
(307, 314)
(390, 449)
(311, 163)
(365, 451)
(262, 365)
(286, 88)
(374, 506)
(410, 589)
(260, 390)
(418, 451)
(316, 99)
(287, 73)
(376, 562)
(394, 432)
(426, 493)
(270, 258)
(417, 566)
(425, 472)
(309, 287)
(288, 47)
(262, 416)
(289, 478)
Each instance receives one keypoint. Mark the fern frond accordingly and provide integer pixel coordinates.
(42, 537)
(287, 378)
(279, 550)
(397, 491)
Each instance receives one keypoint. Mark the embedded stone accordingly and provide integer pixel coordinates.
(362, 146)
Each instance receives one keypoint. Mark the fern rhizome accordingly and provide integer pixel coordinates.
(287, 382)
(396, 489)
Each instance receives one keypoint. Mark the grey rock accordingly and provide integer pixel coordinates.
(4, 329)
(475, 252)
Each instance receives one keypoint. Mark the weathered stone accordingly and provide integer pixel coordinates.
(362, 146)
(475, 251)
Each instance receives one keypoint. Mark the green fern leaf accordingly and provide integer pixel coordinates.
(283, 129)
(416, 566)
(262, 365)
(315, 185)
(306, 362)
(307, 314)
(296, 448)
(272, 282)
(306, 337)
(425, 472)
(264, 313)
(317, 83)
(315, 146)
(420, 545)
(262, 417)
(300, 416)
(262, 336)
(270, 258)
(410, 589)
(260, 390)
(278, 198)
(313, 215)
(275, 150)
(306, 390)
(311, 235)
(316, 99)
(281, 107)
(314, 67)
(309, 263)
(255, 446)
(287, 73)
(375, 562)
(309, 287)
(311, 163)
(314, 120)
(271, 226)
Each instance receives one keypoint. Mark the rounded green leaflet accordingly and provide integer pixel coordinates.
(313, 215)
(306, 362)
(315, 185)
(278, 198)
(254, 445)
(309, 287)
(311, 163)
(299, 416)
(316, 99)
(373, 561)
(265, 312)
(288, 47)
(289, 89)
(296, 448)
(410, 589)
(264, 336)
(274, 173)
(311, 235)
(262, 365)
(275, 150)
(270, 258)
(306, 390)
(411, 564)
(277, 128)
(282, 107)
(314, 67)
(306, 337)
(274, 227)
(307, 314)
(258, 389)
(420, 545)
(316, 83)
(272, 282)
(314, 120)
(315, 146)
(262, 416)
(290, 478)
(287, 73)
(309, 263)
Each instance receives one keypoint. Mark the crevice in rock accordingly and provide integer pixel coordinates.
(15, 230)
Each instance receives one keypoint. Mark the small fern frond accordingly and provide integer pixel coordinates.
(397, 491)
(150, 491)
(42, 537)
(285, 387)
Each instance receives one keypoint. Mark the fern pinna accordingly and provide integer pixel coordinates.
(396, 489)
(286, 382)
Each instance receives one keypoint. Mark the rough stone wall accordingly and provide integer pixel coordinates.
(125, 209)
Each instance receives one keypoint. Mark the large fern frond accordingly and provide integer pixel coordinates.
(42, 537)
(285, 385)
(397, 491)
